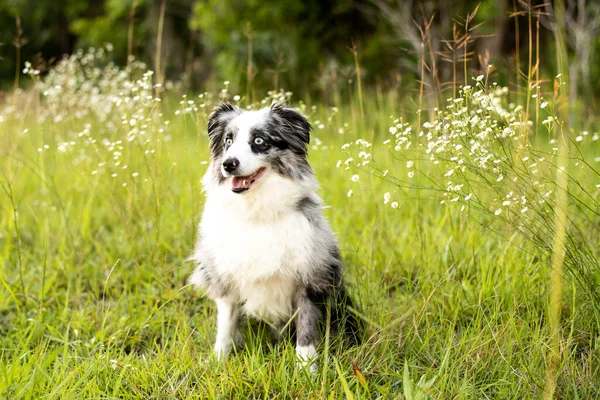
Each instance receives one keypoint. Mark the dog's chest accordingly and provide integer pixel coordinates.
(263, 262)
(254, 251)
(271, 299)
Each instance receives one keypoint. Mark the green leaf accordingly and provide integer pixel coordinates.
(407, 384)
(345, 386)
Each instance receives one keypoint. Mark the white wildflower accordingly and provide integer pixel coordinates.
(386, 197)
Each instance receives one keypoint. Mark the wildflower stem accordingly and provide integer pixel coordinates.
(18, 42)
(560, 218)
(130, 34)
(249, 67)
(8, 189)
(358, 82)
(159, 34)
(537, 75)
(525, 128)
(517, 40)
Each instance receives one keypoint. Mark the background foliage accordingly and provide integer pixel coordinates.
(469, 221)
(300, 45)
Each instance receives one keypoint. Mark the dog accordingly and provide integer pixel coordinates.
(264, 247)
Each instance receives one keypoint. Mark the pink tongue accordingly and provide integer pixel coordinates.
(240, 182)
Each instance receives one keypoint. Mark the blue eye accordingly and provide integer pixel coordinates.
(258, 141)
(228, 142)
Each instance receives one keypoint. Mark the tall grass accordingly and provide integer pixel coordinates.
(449, 223)
(560, 219)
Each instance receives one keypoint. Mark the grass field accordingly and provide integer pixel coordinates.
(99, 206)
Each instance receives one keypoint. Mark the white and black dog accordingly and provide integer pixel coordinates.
(264, 247)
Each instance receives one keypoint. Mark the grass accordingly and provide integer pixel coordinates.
(93, 295)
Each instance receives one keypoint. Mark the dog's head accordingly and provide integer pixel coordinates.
(248, 145)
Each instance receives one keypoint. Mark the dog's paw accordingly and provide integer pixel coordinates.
(306, 356)
(307, 365)
(221, 350)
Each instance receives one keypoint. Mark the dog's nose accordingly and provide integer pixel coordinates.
(231, 164)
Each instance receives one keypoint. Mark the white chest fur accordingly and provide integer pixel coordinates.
(263, 252)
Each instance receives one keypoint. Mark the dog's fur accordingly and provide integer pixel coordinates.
(264, 247)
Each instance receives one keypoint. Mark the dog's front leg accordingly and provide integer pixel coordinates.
(307, 331)
(227, 325)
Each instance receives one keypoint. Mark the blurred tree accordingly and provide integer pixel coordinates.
(284, 43)
(108, 22)
(54, 28)
(299, 45)
(582, 22)
(132, 26)
(45, 30)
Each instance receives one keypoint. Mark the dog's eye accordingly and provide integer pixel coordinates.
(258, 141)
(228, 141)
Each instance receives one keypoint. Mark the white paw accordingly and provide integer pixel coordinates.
(306, 357)
(221, 349)
(305, 364)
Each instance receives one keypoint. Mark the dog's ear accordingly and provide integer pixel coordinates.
(293, 127)
(217, 121)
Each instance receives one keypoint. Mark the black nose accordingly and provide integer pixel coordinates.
(231, 164)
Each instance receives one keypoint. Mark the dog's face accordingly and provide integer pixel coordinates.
(246, 146)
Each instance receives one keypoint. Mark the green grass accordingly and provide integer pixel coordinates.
(94, 302)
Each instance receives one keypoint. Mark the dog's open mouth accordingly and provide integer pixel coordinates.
(240, 184)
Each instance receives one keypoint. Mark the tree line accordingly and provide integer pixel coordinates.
(302, 45)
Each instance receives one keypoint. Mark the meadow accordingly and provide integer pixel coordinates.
(101, 196)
